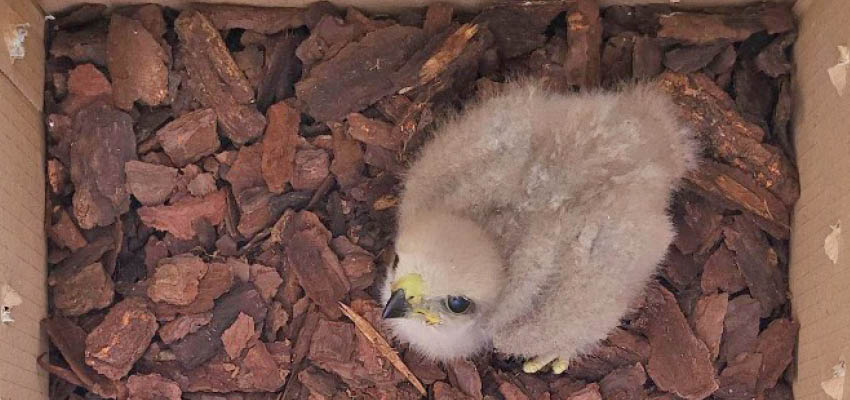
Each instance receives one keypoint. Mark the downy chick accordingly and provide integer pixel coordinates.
(531, 222)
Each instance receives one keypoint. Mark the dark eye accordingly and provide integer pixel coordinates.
(458, 304)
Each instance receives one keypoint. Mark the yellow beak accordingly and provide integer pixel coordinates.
(408, 293)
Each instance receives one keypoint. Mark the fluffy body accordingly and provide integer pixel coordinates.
(548, 211)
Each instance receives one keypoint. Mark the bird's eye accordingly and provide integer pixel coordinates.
(458, 304)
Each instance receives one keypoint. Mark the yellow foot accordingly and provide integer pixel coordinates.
(536, 364)
(559, 366)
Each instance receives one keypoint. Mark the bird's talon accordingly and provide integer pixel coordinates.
(559, 366)
(532, 366)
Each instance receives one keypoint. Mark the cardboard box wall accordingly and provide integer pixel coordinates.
(820, 284)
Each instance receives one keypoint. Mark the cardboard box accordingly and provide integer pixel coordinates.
(820, 265)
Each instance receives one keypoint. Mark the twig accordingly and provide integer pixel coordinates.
(382, 346)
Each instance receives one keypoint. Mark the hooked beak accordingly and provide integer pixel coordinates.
(397, 306)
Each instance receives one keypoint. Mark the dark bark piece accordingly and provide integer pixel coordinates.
(265, 20)
(707, 320)
(319, 383)
(57, 177)
(428, 371)
(374, 132)
(246, 171)
(266, 279)
(329, 36)
(317, 268)
(250, 61)
(151, 184)
(510, 391)
(81, 46)
(86, 85)
(190, 137)
(137, 64)
(311, 169)
(348, 164)
(738, 380)
(442, 391)
(279, 145)
(353, 71)
(103, 142)
(678, 269)
(729, 137)
(257, 371)
(177, 329)
(383, 159)
(678, 362)
(624, 383)
(280, 71)
(215, 283)
(700, 226)
(519, 28)
(647, 58)
(740, 328)
(617, 60)
(776, 345)
(731, 188)
(464, 375)
(179, 217)
(235, 338)
(202, 185)
(215, 79)
(175, 280)
(437, 17)
(720, 272)
(153, 387)
(197, 348)
(276, 319)
(724, 61)
(620, 349)
(584, 39)
(120, 340)
(589, 392)
(65, 233)
(87, 288)
(754, 93)
(702, 28)
(70, 339)
(757, 262)
(782, 116)
(80, 16)
(691, 58)
(773, 59)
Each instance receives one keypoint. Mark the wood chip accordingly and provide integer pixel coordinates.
(178, 218)
(740, 328)
(151, 184)
(265, 20)
(103, 142)
(584, 38)
(281, 137)
(678, 362)
(382, 346)
(176, 280)
(65, 233)
(177, 329)
(776, 344)
(359, 69)
(190, 137)
(707, 320)
(152, 387)
(120, 340)
(757, 262)
(701, 28)
(87, 288)
(236, 337)
(215, 79)
(137, 64)
(625, 383)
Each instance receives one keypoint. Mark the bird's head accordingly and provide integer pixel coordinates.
(447, 278)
